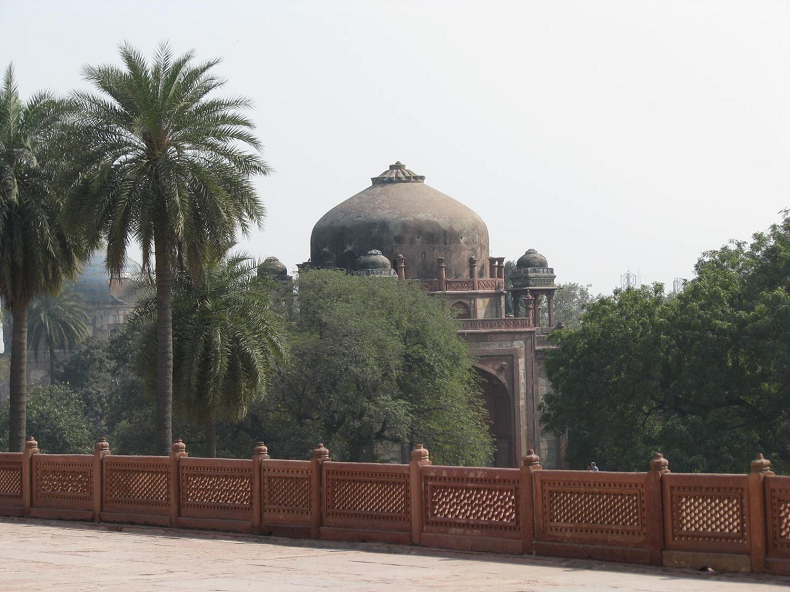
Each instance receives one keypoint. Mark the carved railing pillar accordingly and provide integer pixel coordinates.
(419, 458)
(400, 266)
(529, 464)
(320, 456)
(655, 507)
(100, 450)
(500, 261)
(442, 273)
(177, 451)
(31, 448)
(529, 304)
(761, 468)
(473, 271)
(260, 454)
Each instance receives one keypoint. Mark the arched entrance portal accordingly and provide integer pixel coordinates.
(500, 418)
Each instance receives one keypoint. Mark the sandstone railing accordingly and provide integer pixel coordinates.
(137, 489)
(366, 501)
(777, 504)
(506, 324)
(596, 514)
(464, 285)
(472, 509)
(727, 522)
(11, 478)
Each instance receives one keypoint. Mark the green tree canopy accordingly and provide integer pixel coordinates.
(374, 361)
(56, 322)
(36, 255)
(56, 418)
(227, 343)
(162, 163)
(703, 376)
(570, 302)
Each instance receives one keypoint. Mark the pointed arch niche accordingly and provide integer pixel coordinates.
(501, 422)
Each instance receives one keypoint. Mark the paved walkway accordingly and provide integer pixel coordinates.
(65, 557)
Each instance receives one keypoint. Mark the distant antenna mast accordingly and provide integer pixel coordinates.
(629, 280)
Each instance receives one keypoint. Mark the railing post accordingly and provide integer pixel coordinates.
(419, 458)
(177, 451)
(655, 508)
(31, 448)
(761, 467)
(101, 450)
(473, 271)
(529, 464)
(501, 270)
(442, 273)
(320, 456)
(400, 266)
(260, 454)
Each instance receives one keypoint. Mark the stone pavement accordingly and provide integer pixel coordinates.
(66, 557)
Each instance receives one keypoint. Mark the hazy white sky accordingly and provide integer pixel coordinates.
(606, 134)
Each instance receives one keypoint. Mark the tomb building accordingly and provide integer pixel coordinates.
(400, 226)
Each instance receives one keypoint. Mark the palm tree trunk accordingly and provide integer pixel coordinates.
(51, 362)
(18, 379)
(210, 431)
(164, 349)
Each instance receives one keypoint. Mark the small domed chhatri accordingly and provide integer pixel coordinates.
(532, 273)
(400, 214)
(374, 263)
(531, 281)
(273, 267)
(531, 259)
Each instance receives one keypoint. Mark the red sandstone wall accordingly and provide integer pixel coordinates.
(728, 522)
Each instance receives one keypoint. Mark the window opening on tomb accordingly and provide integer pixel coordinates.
(461, 310)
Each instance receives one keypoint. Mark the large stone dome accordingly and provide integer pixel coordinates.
(400, 214)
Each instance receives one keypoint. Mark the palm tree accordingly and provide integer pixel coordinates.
(57, 322)
(164, 165)
(226, 342)
(36, 254)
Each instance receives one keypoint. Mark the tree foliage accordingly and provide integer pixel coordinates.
(56, 418)
(227, 343)
(56, 322)
(703, 376)
(374, 361)
(4, 364)
(92, 372)
(570, 302)
(36, 254)
(160, 162)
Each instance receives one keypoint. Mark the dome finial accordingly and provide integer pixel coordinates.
(397, 173)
